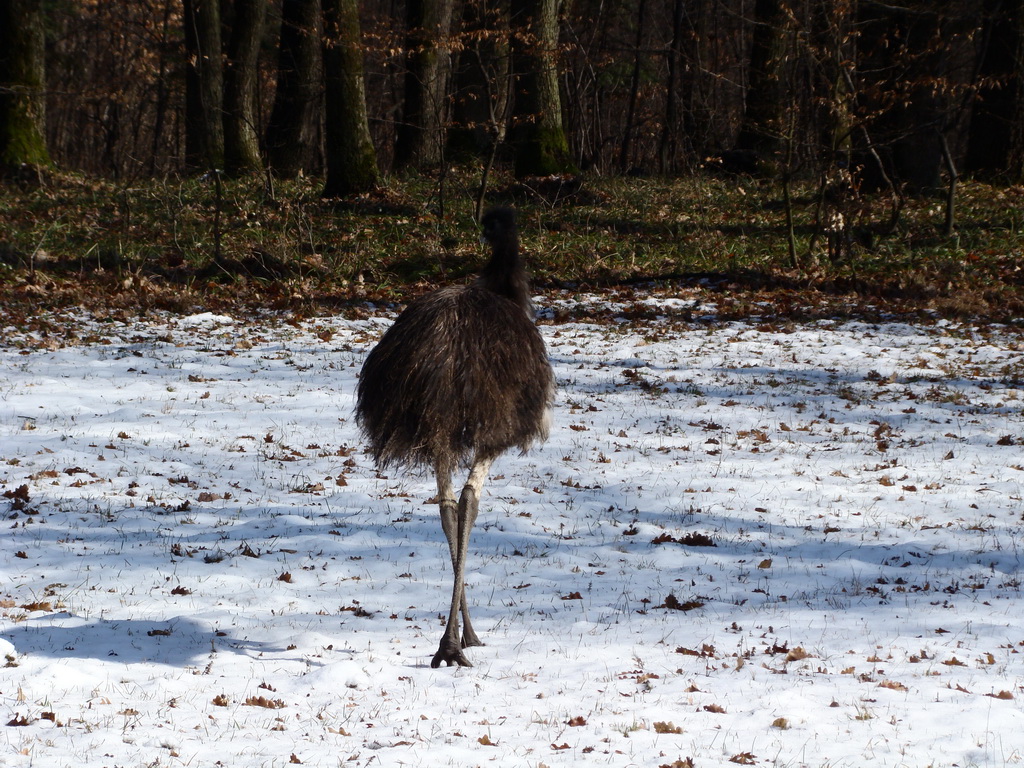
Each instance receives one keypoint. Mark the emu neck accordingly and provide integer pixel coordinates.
(505, 274)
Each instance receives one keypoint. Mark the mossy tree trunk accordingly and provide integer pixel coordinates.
(204, 86)
(351, 157)
(241, 139)
(428, 68)
(22, 80)
(293, 127)
(537, 133)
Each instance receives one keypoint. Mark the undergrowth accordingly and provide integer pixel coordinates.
(238, 245)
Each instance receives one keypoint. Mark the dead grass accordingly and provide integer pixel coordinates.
(179, 244)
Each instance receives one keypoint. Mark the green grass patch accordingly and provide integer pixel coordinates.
(182, 243)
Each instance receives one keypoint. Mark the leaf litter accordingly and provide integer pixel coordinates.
(746, 542)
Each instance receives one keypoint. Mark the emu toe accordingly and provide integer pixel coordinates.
(450, 655)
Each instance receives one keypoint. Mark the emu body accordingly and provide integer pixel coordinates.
(460, 378)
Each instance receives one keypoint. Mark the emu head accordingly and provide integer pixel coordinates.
(499, 227)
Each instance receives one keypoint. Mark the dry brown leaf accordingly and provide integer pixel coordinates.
(263, 701)
(892, 685)
(797, 654)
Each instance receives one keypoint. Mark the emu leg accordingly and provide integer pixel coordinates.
(469, 508)
(450, 652)
(450, 525)
(457, 522)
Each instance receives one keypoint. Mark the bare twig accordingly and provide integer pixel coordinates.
(947, 156)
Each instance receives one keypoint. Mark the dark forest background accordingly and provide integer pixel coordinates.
(902, 92)
(166, 152)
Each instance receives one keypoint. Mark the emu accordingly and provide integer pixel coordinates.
(461, 377)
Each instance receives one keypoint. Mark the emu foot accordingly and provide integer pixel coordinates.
(450, 654)
(470, 640)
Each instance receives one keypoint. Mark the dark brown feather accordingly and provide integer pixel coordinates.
(463, 371)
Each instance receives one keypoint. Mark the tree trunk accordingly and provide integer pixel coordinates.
(1015, 159)
(763, 128)
(204, 86)
(22, 81)
(541, 148)
(996, 108)
(351, 158)
(833, 36)
(691, 130)
(162, 86)
(634, 89)
(292, 131)
(241, 139)
(920, 56)
(420, 134)
(668, 144)
(480, 94)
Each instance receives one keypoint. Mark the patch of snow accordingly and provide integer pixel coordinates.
(793, 546)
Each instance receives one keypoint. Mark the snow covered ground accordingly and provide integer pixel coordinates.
(756, 543)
